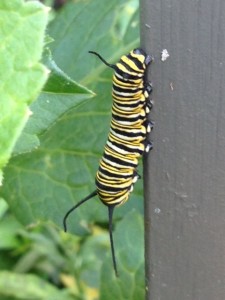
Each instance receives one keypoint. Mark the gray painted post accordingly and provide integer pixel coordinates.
(184, 175)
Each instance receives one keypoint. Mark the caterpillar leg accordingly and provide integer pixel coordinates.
(131, 188)
(136, 176)
(149, 126)
(148, 146)
(148, 106)
(147, 90)
(148, 59)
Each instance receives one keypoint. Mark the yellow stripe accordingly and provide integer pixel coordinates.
(136, 82)
(131, 64)
(140, 57)
(124, 69)
(109, 168)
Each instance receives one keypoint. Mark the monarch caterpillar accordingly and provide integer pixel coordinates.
(127, 139)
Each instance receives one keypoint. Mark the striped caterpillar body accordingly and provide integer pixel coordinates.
(127, 139)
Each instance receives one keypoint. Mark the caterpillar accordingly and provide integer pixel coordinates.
(127, 139)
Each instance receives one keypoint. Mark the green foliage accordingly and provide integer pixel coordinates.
(21, 75)
(56, 157)
(33, 287)
(58, 96)
(62, 169)
(129, 240)
(71, 261)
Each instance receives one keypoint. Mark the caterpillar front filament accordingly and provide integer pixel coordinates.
(128, 136)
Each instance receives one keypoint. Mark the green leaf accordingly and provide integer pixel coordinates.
(129, 247)
(8, 232)
(100, 30)
(89, 270)
(21, 286)
(3, 207)
(59, 95)
(21, 75)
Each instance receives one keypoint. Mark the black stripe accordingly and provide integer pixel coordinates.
(136, 61)
(127, 118)
(125, 80)
(125, 147)
(127, 104)
(119, 161)
(107, 188)
(128, 133)
(138, 64)
(113, 197)
(109, 173)
(126, 76)
(112, 187)
(128, 67)
(118, 97)
(119, 89)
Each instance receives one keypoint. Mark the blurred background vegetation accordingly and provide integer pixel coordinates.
(42, 181)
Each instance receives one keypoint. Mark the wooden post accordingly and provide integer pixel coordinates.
(184, 175)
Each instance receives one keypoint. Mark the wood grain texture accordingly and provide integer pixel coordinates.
(184, 176)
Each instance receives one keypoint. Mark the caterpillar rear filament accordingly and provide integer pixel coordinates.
(127, 139)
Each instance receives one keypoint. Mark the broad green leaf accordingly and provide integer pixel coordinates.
(129, 247)
(48, 181)
(21, 75)
(101, 31)
(21, 286)
(59, 95)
